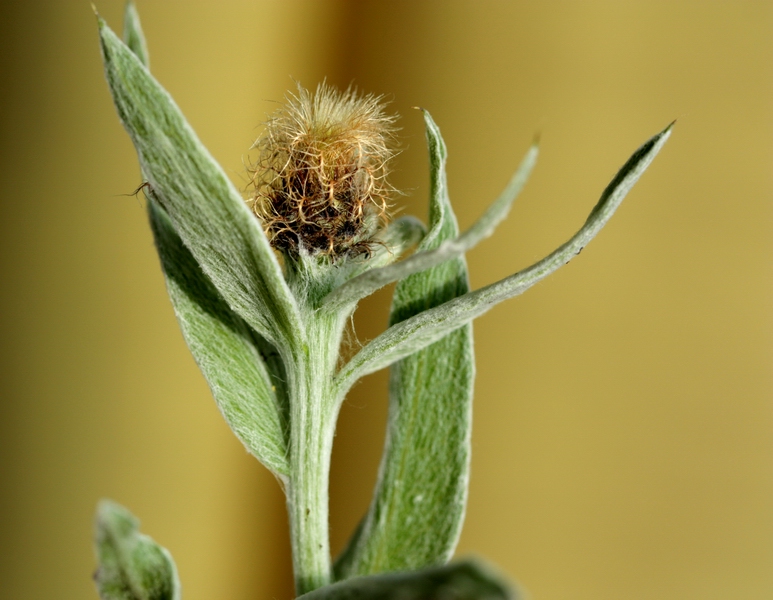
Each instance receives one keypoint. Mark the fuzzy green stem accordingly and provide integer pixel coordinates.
(313, 413)
(307, 505)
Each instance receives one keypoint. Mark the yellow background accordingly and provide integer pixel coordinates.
(623, 439)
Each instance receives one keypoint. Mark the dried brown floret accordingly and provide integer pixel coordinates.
(320, 180)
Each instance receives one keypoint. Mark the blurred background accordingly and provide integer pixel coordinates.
(623, 439)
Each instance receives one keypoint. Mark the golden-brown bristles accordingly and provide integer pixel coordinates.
(320, 180)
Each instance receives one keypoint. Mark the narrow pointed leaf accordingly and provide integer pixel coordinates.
(233, 358)
(131, 565)
(415, 333)
(133, 36)
(418, 506)
(203, 205)
(243, 370)
(461, 581)
(374, 279)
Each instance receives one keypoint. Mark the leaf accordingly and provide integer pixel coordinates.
(461, 581)
(203, 205)
(131, 565)
(415, 333)
(374, 279)
(132, 33)
(418, 506)
(251, 397)
(247, 387)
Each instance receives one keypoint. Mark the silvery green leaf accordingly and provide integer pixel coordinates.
(374, 279)
(132, 33)
(131, 565)
(418, 506)
(461, 581)
(203, 205)
(415, 333)
(243, 371)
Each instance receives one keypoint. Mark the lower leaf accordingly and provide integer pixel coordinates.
(418, 506)
(461, 581)
(243, 371)
(131, 565)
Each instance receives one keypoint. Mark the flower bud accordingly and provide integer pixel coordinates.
(320, 180)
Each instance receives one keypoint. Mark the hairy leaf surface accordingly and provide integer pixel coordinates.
(206, 210)
(417, 510)
(233, 358)
(243, 370)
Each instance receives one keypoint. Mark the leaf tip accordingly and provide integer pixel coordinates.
(100, 21)
(664, 135)
(102, 25)
(129, 9)
(107, 509)
(425, 113)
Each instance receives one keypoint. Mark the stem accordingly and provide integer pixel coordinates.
(307, 506)
(313, 415)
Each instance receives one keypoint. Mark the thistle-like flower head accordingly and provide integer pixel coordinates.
(320, 180)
